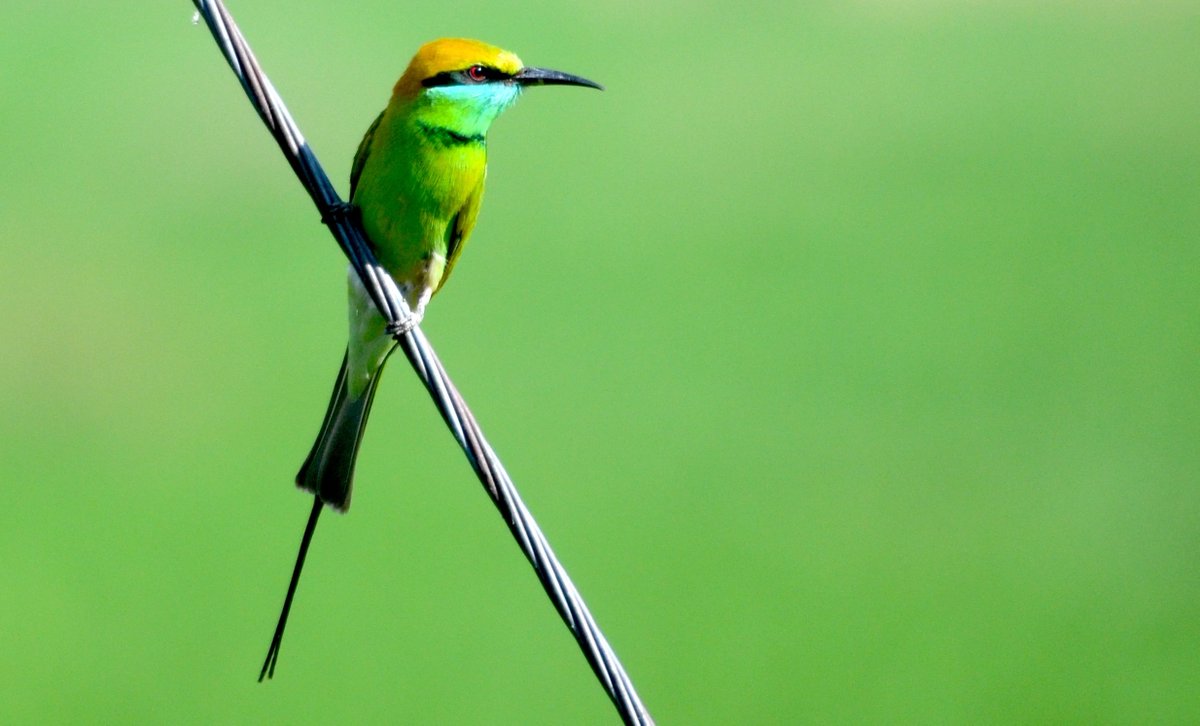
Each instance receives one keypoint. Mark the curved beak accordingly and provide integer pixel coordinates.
(547, 77)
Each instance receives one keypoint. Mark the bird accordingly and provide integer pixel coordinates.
(416, 185)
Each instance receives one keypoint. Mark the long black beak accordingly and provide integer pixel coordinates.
(547, 77)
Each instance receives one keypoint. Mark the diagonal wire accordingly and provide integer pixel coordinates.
(425, 363)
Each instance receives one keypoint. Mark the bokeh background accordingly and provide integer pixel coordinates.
(847, 352)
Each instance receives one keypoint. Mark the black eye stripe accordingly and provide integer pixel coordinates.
(445, 78)
(460, 78)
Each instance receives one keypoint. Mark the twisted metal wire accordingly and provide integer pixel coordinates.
(425, 363)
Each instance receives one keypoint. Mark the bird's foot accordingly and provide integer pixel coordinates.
(404, 326)
(341, 212)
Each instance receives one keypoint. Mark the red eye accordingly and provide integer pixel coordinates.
(477, 74)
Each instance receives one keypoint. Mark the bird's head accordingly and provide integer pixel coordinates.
(473, 80)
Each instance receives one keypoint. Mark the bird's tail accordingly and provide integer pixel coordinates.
(329, 469)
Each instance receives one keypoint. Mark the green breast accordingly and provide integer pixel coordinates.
(416, 173)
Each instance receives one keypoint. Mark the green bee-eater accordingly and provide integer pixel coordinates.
(416, 182)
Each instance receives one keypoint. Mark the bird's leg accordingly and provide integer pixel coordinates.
(422, 301)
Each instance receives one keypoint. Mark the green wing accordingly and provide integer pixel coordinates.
(460, 228)
(360, 156)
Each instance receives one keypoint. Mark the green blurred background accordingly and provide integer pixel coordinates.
(847, 353)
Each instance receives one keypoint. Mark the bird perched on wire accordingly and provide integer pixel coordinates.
(415, 186)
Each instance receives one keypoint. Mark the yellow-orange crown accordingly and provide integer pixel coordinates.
(453, 54)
